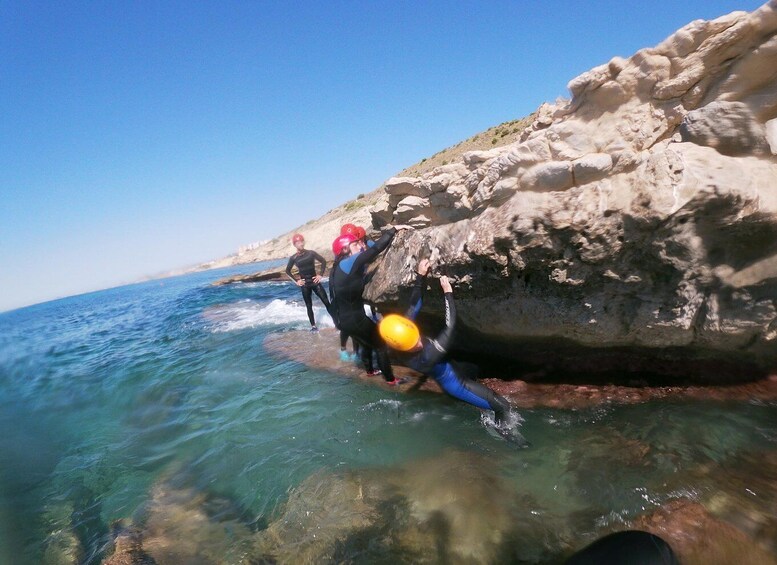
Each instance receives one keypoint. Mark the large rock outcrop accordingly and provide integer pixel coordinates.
(639, 216)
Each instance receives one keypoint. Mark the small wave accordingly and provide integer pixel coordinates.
(248, 314)
(508, 429)
(378, 404)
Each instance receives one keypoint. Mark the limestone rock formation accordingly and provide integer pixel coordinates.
(640, 216)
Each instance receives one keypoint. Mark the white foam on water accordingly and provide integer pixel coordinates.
(247, 314)
(378, 404)
(508, 429)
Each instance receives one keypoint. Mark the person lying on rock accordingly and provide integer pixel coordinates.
(309, 281)
(427, 356)
(346, 284)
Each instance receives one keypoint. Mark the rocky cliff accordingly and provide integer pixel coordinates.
(631, 228)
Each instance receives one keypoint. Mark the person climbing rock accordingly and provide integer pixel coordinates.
(361, 235)
(346, 285)
(428, 356)
(309, 280)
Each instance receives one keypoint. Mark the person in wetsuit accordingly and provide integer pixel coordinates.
(361, 235)
(309, 281)
(427, 356)
(346, 284)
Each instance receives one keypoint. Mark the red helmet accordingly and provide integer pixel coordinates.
(297, 237)
(341, 243)
(348, 229)
(360, 233)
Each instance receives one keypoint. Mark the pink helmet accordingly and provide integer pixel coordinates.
(341, 243)
(297, 237)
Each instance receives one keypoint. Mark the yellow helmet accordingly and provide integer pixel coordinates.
(398, 332)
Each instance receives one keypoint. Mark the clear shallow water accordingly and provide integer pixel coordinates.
(105, 395)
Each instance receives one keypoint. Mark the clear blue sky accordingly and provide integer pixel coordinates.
(137, 137)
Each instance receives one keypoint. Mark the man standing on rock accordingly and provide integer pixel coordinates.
(309, 281)
(346, 286)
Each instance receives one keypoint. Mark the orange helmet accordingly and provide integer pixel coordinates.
(399, 332)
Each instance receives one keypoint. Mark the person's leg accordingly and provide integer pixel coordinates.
(365, 353)
(307, 296)
(321, 293)
(381, 349)
(474, 393)
(352, 326)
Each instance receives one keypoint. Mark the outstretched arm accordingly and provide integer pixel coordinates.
(370, 254)
(416, 296)
(317, 257)
(289, 265)
(445, 339)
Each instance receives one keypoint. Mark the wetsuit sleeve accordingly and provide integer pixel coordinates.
(444, 340)
(371, 253)
(321, 260)
(416, 296)
(289, 265)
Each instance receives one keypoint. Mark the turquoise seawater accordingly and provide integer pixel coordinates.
(105, 395)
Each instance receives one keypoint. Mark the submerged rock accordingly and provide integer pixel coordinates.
(742, 491)
(128, 547)
(181, 524)
(452, 509)
(699, 538)
(628, 218)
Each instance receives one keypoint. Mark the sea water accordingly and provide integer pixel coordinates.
(105, 396)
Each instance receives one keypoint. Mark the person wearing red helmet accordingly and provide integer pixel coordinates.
(309, 281)
(361, 235)
(348, 229)
(346, 285)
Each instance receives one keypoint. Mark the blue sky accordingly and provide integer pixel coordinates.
(137, 137)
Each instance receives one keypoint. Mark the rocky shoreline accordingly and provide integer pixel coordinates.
(323, 353)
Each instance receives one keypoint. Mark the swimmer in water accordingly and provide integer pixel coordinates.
(428, 356)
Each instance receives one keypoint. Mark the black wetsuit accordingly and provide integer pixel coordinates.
(430, 360)
(634, 547)
(305, 261)
(346, 285)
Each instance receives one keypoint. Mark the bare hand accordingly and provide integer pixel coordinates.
(300, 282)
(445, 284)
(423, 267)
(317, 279)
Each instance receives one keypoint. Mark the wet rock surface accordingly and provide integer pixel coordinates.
(699, 538)
(322, 352)
(419, 513)
(276, 274)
